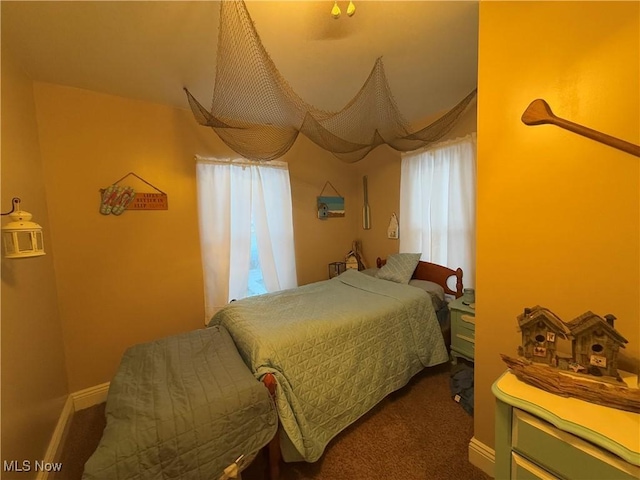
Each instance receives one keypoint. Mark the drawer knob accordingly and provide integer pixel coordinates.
(468, 319)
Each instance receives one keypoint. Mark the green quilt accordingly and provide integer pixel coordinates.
(336, 348)
(181, 408)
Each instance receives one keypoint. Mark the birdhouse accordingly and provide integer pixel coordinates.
(596, 343)
(351, 260)
(541, 329)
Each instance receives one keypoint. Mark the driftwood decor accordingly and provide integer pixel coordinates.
(538, 113)
(589, 373)
(567, 385)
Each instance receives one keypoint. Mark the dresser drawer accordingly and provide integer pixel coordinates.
(522, 469)
(563, 454)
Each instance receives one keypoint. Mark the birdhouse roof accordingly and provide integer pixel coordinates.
(588, 321)
(539, 313)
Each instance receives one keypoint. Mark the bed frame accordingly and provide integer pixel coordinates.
(424, 271)
(272, 450)
(435, 273)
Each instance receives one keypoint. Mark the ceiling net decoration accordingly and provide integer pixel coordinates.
(257, 114)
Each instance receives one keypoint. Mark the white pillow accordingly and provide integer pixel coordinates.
(429, 287)
(372, 272)
(399, 267)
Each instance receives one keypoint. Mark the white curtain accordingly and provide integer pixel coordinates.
(231, 194)
(438, 203)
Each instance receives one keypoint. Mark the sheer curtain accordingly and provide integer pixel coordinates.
(233, 193)
(438, 202)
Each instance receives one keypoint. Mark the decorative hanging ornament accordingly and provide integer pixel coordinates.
(351, 9)
(392, 230)
(335, 11)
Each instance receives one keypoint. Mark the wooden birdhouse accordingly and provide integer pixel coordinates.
(596, 343)
(541, 329)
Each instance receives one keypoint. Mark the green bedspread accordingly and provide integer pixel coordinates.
(336, 348)
(181, 408)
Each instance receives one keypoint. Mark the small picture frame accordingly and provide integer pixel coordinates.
(330, 207)
(551, 337)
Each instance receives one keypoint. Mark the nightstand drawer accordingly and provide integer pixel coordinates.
(463, 344)
(564, 454)
(464, 331)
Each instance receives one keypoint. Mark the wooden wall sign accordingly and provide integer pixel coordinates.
(149, 201)
(117, 198)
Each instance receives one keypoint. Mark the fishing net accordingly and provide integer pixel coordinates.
(257, 114)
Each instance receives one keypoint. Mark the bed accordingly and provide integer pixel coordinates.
(336, 348)
(182, 407)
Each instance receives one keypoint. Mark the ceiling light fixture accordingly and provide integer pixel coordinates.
(336, 12)
(351, 9)
(21, 237)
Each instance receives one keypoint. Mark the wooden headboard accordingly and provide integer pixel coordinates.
(435, 273)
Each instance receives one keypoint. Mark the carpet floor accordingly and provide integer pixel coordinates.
(416, 433)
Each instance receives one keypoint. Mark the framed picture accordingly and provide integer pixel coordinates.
(330, 207)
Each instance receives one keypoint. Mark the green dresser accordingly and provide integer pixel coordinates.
(463, 330)
(542, 436)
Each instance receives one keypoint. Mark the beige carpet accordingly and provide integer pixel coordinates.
(417, 433)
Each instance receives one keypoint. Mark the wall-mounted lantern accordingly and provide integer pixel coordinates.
(21, 238)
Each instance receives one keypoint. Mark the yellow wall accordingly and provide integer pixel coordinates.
(138, 276)
(320, 242)
(557, 214)
(34, 380)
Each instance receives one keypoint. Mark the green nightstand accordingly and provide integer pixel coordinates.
(463, 331)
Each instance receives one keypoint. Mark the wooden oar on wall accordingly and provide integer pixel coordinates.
(538, 112)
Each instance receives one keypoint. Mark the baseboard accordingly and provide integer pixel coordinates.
(90, 396)
(482, 457)
(54, 450)
(76, 401)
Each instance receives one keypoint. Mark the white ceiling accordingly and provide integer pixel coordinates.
(150, 50)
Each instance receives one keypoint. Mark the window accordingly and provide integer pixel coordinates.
(437, 204)
(246, 229)
(256, 284)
